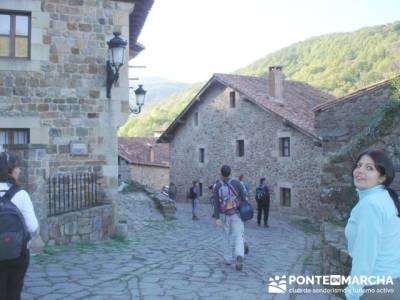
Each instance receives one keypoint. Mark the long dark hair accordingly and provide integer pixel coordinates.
(8, 162)
(385, 167)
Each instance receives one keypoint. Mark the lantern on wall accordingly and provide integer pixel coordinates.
(116, 53)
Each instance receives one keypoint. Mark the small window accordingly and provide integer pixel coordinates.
(200, 189)
(201, 155)
(15, 35)
(196, 118)
(284, 146)
(14, 136)
(285, 197)
(232, 99)
(240, 148)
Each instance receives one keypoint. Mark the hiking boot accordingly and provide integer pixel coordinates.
(246, 248)
(239, 263)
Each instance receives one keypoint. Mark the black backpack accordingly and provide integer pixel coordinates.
(14, 235)
(192, 194)
(261, 193)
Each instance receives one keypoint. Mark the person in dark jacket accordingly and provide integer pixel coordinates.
(263, 202)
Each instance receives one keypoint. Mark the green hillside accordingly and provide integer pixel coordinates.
(338, 63)
(160, 116)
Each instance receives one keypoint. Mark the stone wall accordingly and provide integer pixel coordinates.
(34, 170)
(339, 125)
(152, 176)
(60, 92)
(335, 258)
(88, 224)
(123, 170)
(219, 126)
(91, 224)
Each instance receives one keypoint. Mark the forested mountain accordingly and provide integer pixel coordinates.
(159, 88)
(160, 116)
(337, 63)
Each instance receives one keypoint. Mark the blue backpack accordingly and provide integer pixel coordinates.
(14, 235)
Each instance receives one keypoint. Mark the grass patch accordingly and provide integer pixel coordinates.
(48, 253)
(341, 223)
(316, 247)
(131, 186)
(84, 246)
(118, 238)
(306, 226)
(307, 261)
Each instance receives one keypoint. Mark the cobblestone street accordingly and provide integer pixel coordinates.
(178, 259)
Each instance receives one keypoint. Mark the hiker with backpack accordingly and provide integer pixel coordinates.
(263, 201)
(17, 222)
(228, 193)
(194, 196)
(245, 185)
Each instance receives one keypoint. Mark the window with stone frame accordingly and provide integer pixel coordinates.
(240, 148)
(232, 99)
(10, 136)
(285, 197)
(196, 119)
(201, 155)
(284, 146)
(15, 34)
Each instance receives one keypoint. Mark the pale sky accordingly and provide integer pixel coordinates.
(189, 40)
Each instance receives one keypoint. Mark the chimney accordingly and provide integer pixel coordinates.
(151, 154)
(275, 81)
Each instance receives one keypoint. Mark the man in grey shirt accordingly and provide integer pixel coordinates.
(227, 216)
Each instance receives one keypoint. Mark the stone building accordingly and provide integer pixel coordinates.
(262, 127)
(143, 160)
(53, 99)
(347, 126)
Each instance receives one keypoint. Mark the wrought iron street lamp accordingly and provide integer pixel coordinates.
(116, 48)
(140, 96)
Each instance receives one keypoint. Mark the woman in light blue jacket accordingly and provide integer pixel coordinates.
(373, 230)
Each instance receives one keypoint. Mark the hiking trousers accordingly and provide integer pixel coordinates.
(262, 206)
(195, 204)
(12, 274)
(233, 232)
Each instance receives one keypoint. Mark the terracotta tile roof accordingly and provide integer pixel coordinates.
(356, 94)
(136, 150)
(299, 98)
(296, 108)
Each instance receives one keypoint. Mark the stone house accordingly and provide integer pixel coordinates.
(53, 105)
(348, 126)
(144, 160)
(262, 127)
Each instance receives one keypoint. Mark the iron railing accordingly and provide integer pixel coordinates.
(72, 193)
